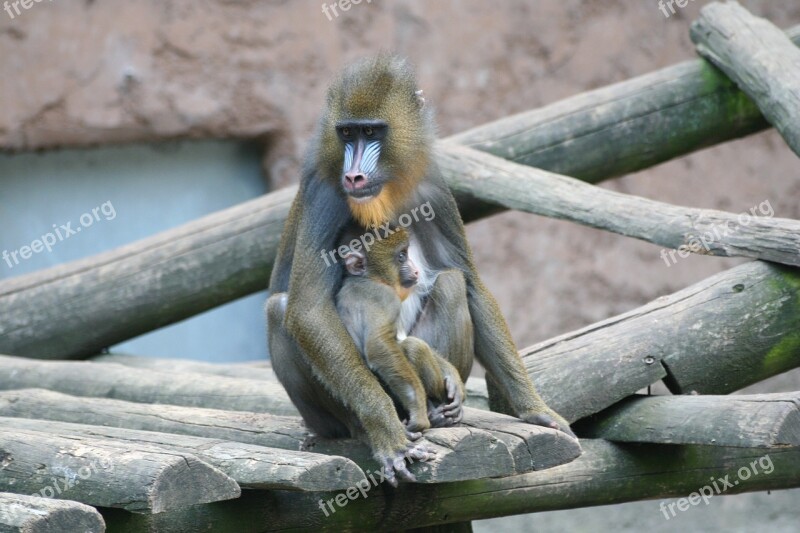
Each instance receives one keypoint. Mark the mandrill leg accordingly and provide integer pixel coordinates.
(322, 413)
(445, 324)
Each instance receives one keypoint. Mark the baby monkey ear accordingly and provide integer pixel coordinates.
(355, 262)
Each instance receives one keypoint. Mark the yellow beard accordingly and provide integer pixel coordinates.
(392, 197)
(376, 212)
(382, 208)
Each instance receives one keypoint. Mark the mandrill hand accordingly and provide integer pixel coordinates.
(449, 413)
(549, 419)
(394, 462)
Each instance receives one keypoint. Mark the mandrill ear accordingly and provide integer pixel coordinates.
(355, 262)
(420, 99)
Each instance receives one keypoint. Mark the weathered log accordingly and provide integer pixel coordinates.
(606, 473)
(704, 231)
(625, 127)
(759, 57)
(30, 514)
(477, 396)
(749, 421)
(254, 467)
(730, 330)
(108, 380)
(462, 452)
(189, 366)
(218, 258)
(110, 297)
(672, 337)
(102, 472)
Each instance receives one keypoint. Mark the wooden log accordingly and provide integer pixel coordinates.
(714, 337)
(672, 337)
(30, 514)
(759, 57)
(102, 472)
(607, 473)
(525, 441)
(253, 467)
(749, 421)
(477, 396)
(703, 231)
(625, 127)
(108, 380)
(462, 452)
(226, 255)
(189, 366)
(110, 297)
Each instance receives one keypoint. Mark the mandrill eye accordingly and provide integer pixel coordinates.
(368, 131)
(346, 132)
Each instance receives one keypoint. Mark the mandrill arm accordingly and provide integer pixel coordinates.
(494, 346)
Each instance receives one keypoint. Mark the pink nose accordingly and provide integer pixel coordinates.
(355, 180)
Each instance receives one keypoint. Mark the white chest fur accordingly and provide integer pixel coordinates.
(412, 306)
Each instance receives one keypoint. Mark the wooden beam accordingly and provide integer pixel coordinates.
(229, 254)
(162, 279)
(628, 126)
(190, 366)
(728, 331)
(108, 380)
(252, 467)
(477, 395)
(759, 57)
(30, 514)
(466, 452)
(607, 473)
(486, 177)
(672, 338)
(748, 421)
(102, 472)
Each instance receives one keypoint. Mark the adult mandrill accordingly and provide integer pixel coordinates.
(371, 163)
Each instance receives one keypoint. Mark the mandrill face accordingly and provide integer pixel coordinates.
(363, 141)
(375, 138)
